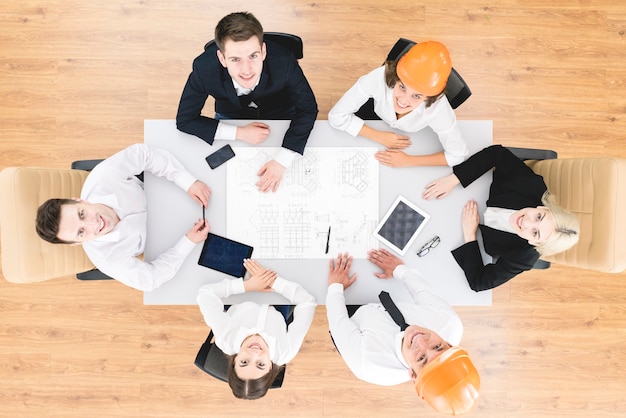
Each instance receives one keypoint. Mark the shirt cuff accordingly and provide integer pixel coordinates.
(335, 288)
(355, 126)
(184, 180)
(285, 157)
(185, 245)
(400, 271)
(279, 284)
(226, 132)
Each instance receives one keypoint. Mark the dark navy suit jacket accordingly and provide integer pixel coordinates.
(282, 89)
(515, 186)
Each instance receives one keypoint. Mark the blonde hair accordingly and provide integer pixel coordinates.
(566, 229)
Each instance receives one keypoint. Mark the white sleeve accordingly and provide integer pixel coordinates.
(136, 273)
(346, 333)
(303, 313)
(140, 157)
(445, 125)
(342, 115)
(419, 289)
(211, 304)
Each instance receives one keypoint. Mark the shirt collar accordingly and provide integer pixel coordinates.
(242, 91)
(398, 348)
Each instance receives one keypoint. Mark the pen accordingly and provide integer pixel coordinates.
(203, 217)
(327, 240)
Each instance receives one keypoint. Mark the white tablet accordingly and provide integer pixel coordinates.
(401, 224)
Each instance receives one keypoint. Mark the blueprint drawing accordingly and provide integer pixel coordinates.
(334, 188)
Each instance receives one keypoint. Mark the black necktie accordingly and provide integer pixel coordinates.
(392, 310)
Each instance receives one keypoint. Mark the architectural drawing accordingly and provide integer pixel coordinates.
(326, 187)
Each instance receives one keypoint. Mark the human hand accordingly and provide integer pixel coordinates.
(393, 158)
(253, 266)
(392, 140)
(339, 271)
(200, 192)
(199, 231)
(469, 220)
(385, 261)
(440, 187)
(271, 175)
(261, 281)
(253, 133)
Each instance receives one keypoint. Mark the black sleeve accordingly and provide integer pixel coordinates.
(483, 277)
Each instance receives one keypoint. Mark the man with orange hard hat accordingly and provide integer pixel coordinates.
(408, 95)
(379, 346)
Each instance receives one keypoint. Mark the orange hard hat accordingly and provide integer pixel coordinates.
(425, 68)
(450, 382)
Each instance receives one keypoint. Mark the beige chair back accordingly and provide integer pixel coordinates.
(26, 258)
(594, 189)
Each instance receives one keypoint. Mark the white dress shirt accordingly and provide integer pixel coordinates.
(439, 116)
(498, 218)
(113, 183)
(370, 341)
(248, 318)
(228, 132)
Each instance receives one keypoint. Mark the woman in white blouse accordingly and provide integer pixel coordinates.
(408, 95)
(256, 336)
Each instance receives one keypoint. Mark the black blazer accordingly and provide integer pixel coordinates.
(515, 186)
(282, 87)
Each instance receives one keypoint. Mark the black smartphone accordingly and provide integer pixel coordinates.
(220, 156)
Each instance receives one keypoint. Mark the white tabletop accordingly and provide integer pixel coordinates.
(171, 213)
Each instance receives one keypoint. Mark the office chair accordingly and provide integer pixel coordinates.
(288, 41)
(593, 189)
(26, 258)
(212, 360)
(457, 91)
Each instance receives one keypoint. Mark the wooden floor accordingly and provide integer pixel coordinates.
(77, 80)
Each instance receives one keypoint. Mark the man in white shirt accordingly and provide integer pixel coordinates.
(109, 219)
(421, 345)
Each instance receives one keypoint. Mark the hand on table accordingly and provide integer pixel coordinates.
(393, 158)
(253, 133)
(392, 140)
(384, 260)
(469, 220)
(271, 175)
(440, 187)
(261, 279)
(339, 271)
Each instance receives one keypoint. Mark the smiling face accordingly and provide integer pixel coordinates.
(533, 224)
(405, 99)
(420, 346)
(243, 60)
(253, 360)
(84, 221)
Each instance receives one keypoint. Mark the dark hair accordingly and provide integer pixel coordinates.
(391, 78)
(250, 388)
(48, 219)
(239, 26)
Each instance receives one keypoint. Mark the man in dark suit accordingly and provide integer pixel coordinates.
(249, 79)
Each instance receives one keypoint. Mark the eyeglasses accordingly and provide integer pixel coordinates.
(426, 247)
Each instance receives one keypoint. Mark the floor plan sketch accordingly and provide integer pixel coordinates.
(326, 189)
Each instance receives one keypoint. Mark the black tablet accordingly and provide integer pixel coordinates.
(225, 255)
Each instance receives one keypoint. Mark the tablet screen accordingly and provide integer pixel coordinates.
(401, 224)
(225, 255)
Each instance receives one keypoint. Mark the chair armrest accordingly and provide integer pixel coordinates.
(533, 153)
(86, 165)
(94, 274)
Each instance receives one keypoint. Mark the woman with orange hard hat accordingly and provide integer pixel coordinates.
(409, 96)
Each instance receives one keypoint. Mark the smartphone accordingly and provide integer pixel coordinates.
(220, 156)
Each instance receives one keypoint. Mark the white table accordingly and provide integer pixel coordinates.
(171, 212)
